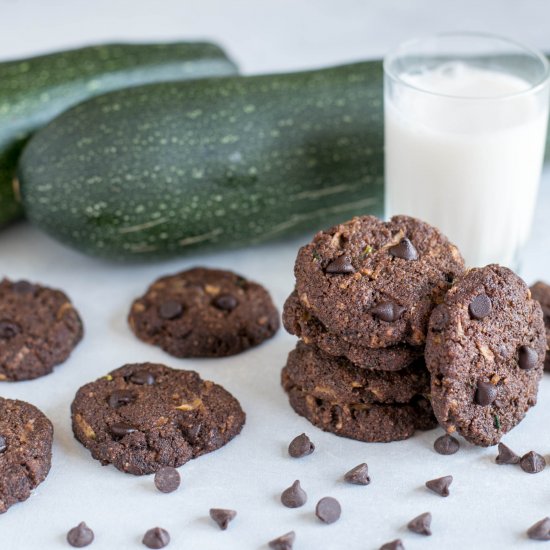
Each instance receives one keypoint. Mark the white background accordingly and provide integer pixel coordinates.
(490, 506)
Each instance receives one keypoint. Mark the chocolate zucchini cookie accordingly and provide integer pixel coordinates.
(541, 293)
(298, 321)
(337, 380)
(39, 328)
(375, 283)
(204, 313)
(142, 417)
(485, 351)
(25, 450)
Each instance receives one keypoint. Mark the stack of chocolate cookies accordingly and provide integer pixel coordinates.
(364, 294)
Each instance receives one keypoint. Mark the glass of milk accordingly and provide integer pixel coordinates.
(465, 132)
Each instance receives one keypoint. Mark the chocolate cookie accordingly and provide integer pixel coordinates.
(336, 379)
(25, 450)
(541, 293)
(375, 283)
(369, 422)
(39, 328)
(204, 313)
(298, 321)
(145, 416)
(485, 351)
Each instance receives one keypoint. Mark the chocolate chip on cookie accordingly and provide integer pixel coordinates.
(204, 313)
(39, 328)
(175, 418)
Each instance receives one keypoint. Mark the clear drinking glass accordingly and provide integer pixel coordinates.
(465, 131)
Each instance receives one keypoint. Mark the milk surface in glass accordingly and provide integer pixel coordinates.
(464, 160)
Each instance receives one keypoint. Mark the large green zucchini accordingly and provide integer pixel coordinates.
(167, 169)
(35, 90)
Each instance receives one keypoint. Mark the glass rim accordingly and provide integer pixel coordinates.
(533, 88)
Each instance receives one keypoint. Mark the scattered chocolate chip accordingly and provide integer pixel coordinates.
(506, 455)
(8, 330)
(540, 531)
(222, 517)
(23, 287)
(3, 444)
(440, 485)
(80, 536)
(387, 311)
(396, 544)
(486, 393)
(142, 378)
(340, 266)
(294, 496)
(120, 398)
(328, 510)
(528, 358)
(404, 250)
(167, 479)
(284, 542)
(358, 475)
(170, 310)
(532, 463)
(446, 445)
(300, 446)
(156, 538)
(421, 524)
(225, 302)
(120, 429)
(480, 306)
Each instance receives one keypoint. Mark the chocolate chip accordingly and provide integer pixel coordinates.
(358, 475)
(156, 538)
(387, 311)
(284, 542)
(226, 302)
(142, 378)
(3, 444)
(486, 393)
(170, 310)
(341, 266)
(167, 479)
(480, 306)
(506, 455)
(440, 485)
(540, 531)
(328, 510)
(120, 429)
(404, 250)
(120, 398)
(8, 330)
(446, 445)
(532, 463)
(421, 524)
(294, 496)
(528, 358)
(80, 536)
(300, 446)
(222, 517)
(396, 544)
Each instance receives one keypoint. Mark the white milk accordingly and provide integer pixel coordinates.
(470, 167)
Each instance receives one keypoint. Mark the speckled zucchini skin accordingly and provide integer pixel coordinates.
(168, 169)
(35, 90)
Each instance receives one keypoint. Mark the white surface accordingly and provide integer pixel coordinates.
(490, 506)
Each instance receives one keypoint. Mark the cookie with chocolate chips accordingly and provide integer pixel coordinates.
(204, 313)
(39, 328)
(374, 283)
(298, 321)
(337, 379)
(25, 450)
(371, 422)
(541, 293)
(142, 417)
(485, 351)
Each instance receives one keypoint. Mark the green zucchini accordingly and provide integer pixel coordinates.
(168, 169)
(35, 90)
